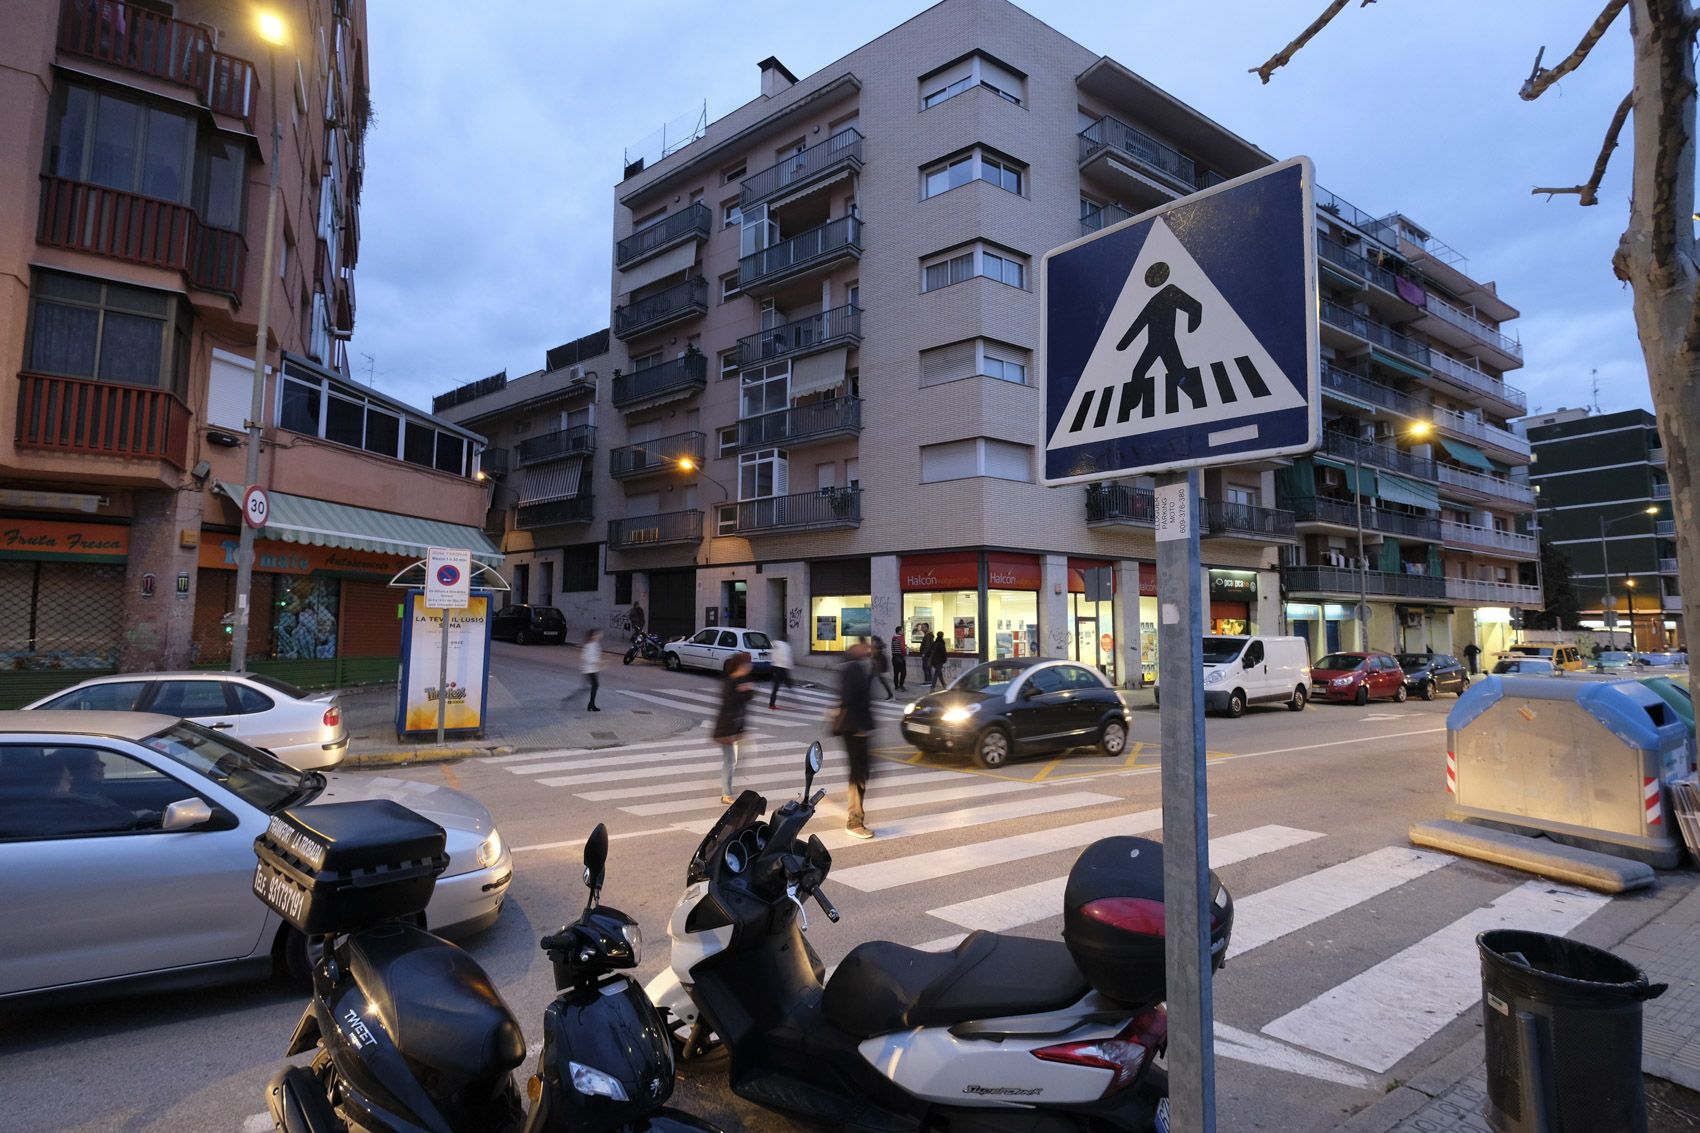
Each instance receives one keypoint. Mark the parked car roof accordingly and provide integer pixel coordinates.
(133, 726)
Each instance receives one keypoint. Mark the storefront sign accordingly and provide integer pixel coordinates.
(53, 539)
(275, 557)
(1012, 572)
(1240, 584)
(941, 572)
(1148, 580)
(464, 692)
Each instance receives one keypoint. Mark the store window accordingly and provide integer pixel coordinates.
(1232, 593)
(1012, 605)
(1091, 615)
(304, 618)
(840, 604)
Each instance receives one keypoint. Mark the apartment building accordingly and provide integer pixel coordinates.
(1605, 499)
(132, 245)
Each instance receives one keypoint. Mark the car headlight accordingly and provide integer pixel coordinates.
(1340, 682)
(960, 713)
(634, 937)
(910, 707)
(1216, 677)
(490, 850)
(593, 1082)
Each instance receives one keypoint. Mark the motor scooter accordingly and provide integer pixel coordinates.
(1002, 1034)
(409, 1035)
(645, 645)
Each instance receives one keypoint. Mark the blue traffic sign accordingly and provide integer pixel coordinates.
(1186, 336)
(448, 574)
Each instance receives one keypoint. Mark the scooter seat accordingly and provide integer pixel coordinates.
(438, 1005)
(882, 987)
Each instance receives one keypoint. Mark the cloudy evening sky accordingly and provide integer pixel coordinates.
(487, 218)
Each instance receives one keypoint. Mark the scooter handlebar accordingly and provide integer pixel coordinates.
(826, 905)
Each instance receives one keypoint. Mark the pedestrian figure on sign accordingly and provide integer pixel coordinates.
(590, 664)
(938, 654)
(854, 721)
(899, 658)
(1158, 320)
(735, 692)
(926, 652)
(881, 664)
(1471, 652)
(780, 661)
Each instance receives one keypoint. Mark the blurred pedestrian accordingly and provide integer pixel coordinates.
(854, 722)
(880, 664)
(735, 692)
(781, 660)
(899, 658)
(926, 652)
(1471, 652)
(590, 664)
(938, 654)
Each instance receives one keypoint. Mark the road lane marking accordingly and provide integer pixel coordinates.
(709, 790)
(741, 778)
(949, 820)
(693, 748)
(701, 709)
(575, 843)
(632, 773)
(1273, 913)
(1336, 743)
(1243, 1046)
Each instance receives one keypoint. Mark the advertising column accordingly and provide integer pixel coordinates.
(462, 694)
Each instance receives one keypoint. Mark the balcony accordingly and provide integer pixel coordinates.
(1665, 527)
(1488, 539)
(802, 424)
(145, 42)
(829, 507)
(809, 251)
(1344, 513)
(1661, 491)
(1346, 212)
(1668, 566)
(841, 326)
(1120, 503)
(1344, 260)
(102, 419)
(687, 300)
(553, 446)
(655, 530)
(1111, 140)
(494, 462)
(1475, 381)
(1376, 456)
(1376, 583)
(694, 223)
(1370, 394)
(1493, 593)
(676, 377)
(1451, 421)
(1245, 521)
(840, 153)
(1102, 217)
(141, 230)
(1375, 333)
(555, 513)
(661, 455)
(1444, 321)
(1481, 484)
(1656, 456)
(1672, 602)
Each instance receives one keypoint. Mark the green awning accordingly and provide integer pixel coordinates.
(1395, 362)
(320, 523)
(1412, 493)
(1467, 454)
(1368, 474)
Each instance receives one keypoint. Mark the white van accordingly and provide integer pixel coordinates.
(1241, 670)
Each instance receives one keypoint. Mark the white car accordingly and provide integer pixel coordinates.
(708, 649)
(127, 853)
(305, 730)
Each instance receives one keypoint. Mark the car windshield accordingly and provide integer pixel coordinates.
(1221, 650)
(257, 778)
(993, 677)
(1409, 661)
(755, 639)
(1339, 662)
(276, 685)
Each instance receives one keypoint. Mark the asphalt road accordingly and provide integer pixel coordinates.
(1354, 961)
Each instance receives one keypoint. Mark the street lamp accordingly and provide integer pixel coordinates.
(1416, 430)
(272, 31)
(1605, 565)
(1630, 584)
(688, 465)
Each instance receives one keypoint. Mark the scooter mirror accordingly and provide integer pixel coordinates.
(595, 857)
(811, 766)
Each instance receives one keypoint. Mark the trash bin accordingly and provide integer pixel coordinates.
(1563, 1029)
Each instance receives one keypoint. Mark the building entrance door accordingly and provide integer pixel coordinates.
(734, 598)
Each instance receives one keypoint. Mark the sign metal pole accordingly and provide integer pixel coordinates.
(443, 674)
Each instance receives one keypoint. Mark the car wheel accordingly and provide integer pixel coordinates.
(523, 637)
(1297, 704)
(1362, 697)
(1429, 690)
(1463, 686)
(1236, 704)
(992, 748)
(1113, 738)
(1400, 694)
(671, 660)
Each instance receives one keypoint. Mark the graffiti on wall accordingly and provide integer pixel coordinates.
(1059, 642)
(794, 618)
(885, 613)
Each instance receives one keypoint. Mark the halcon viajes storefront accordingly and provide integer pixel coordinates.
(986, 603)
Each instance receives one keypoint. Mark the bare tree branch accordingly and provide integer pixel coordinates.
(1540, 79)
(1590, 192)
(1284, 56)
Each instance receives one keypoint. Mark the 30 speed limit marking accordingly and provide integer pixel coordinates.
(255, 506)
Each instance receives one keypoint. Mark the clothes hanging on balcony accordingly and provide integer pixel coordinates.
(1410, 292)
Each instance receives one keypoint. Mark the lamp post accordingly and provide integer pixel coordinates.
(1605, 565)
(272, 31)
(1629, 586)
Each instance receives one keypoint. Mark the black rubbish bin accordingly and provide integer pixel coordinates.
(1563, 1029)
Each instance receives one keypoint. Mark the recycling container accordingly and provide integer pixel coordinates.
(1563, 1029)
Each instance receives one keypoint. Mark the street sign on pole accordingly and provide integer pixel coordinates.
(256, 506)
(448, 587)
(1183, 338)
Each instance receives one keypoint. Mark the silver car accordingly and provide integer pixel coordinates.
(305, 730)
(127, 853)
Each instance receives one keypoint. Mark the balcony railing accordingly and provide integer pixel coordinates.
(1661, 491)
(140, 230)
(829, 507)
(1102, 217)
(1469, 535)
(1474, 379)
(1480, 430)
(1473, 326)
(1120, 503)
(660, 455)
(553, 446)
(841, 326)
(1371, 331)
(655, 530)
(694, 223)
(579, 509)
(1480, 482)
(1374, 227)
(147, 43)
(1342, 257)
(1224, 517)
(841, 151)
(818, 245)
(1113, 133)
(1666, 527)
(818, 421)
(1667, 566)
(1344, 513)
(1344, 580)
(1656, 456)
(494, 462)
(102, 419)
(1497, 593)
(1356, 387)
(672, 376)
(1376, 456)
(680, 301)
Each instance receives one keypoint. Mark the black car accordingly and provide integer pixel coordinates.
(1429, 674)
(526, 624)
(1020, 706)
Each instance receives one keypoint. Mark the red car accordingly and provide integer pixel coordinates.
(1357, 677)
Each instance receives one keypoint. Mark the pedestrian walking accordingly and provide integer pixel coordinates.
(899, 658)
(780, 659)
(590, 664)
(926, 652)
(1471, 652)
(938, 654)
(735, 692)
(880, 664)
(854, 721)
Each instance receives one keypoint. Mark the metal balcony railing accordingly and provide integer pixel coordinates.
(1469, 535)
(148, 43)
(818, 421)
(1475, 380)
(141, 230)
(675, 374)
(680, 301)
(1480, 430)
(1496, 486)
(829, 507)
(1113, 133)
(1656, 456)
(1342, 257)
(841, 326)
(1473, 326)
(1344, 580)
(823, 244)
(1376, 228)
(553, 446)
(1665, 527)
(1498, 593)
(101, 419)
(660, 455)
(494, 462)
(579, 509)
(842, 150)
(1224, 517)
(655, 530)
(1357, 388)
(1376, 456)
(1667, 566)
(1102, 217)
(1661, 491)
(1344, 513)
(694, 223)
(1120, 503)
(1374, 332)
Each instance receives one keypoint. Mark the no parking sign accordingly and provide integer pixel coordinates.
(448, 578)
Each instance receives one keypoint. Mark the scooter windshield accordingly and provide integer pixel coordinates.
(744, 811)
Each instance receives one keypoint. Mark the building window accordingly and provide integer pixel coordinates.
(973, 71)
(732, 214)
(104, 139)
(974, 357)
(732, 173)
(108, 332)
(761, 474)
(319, 405)
(726, 519)
(766, 389)
(976, 456)
(580, 569)
(973, 166)
(728, 364)
(958, 266)
(728, 441)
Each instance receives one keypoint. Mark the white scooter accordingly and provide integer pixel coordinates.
(1004, 1033)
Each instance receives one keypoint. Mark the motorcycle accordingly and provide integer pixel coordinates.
(646, 645)
(1004, 1033)
(409, 1034)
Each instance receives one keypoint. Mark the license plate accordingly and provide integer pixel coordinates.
(924, 729)
(1163, 1116)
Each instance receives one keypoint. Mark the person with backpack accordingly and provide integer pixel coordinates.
(880, 664)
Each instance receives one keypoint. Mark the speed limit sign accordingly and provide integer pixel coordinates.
(255, 506)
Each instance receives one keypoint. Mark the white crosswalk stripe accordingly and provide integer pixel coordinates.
(1273, 913)
(680, 703)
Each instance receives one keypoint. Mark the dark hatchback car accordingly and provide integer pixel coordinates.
(526, 624)
(1429, 674)
(1020, 706)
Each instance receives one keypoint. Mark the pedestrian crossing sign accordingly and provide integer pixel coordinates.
(1186, 336)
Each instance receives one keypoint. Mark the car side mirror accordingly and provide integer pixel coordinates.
(186, 814)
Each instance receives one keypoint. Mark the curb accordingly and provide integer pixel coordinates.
(418, 755)
(1405, 1100)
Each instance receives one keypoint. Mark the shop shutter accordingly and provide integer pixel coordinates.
(369, 626)
(948, 363)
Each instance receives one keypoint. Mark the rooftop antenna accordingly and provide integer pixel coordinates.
(1596, 375)
(371, 362)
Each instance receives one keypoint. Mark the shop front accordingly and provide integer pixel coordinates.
(1232, 593)
(993, 618)
(1147, 674)
(62, 603)
(1091, 614)
(841, 605)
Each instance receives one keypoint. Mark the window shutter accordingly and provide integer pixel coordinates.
(948, 363)
(230, 388)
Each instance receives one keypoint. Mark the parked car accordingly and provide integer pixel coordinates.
(1429, 674)
(1614, 659)
(1019, 706)
(1566, 658)
(1241, 670)
(709, 647)
(525, 624)
(127, 845)
(303, 729)
(1357, 677)
(1526, 667)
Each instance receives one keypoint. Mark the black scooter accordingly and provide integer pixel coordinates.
(408, 1033)
(645, 645)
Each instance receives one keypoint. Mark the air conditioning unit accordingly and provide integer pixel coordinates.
(1333, 477)
(575, 374)
(1384, 430)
